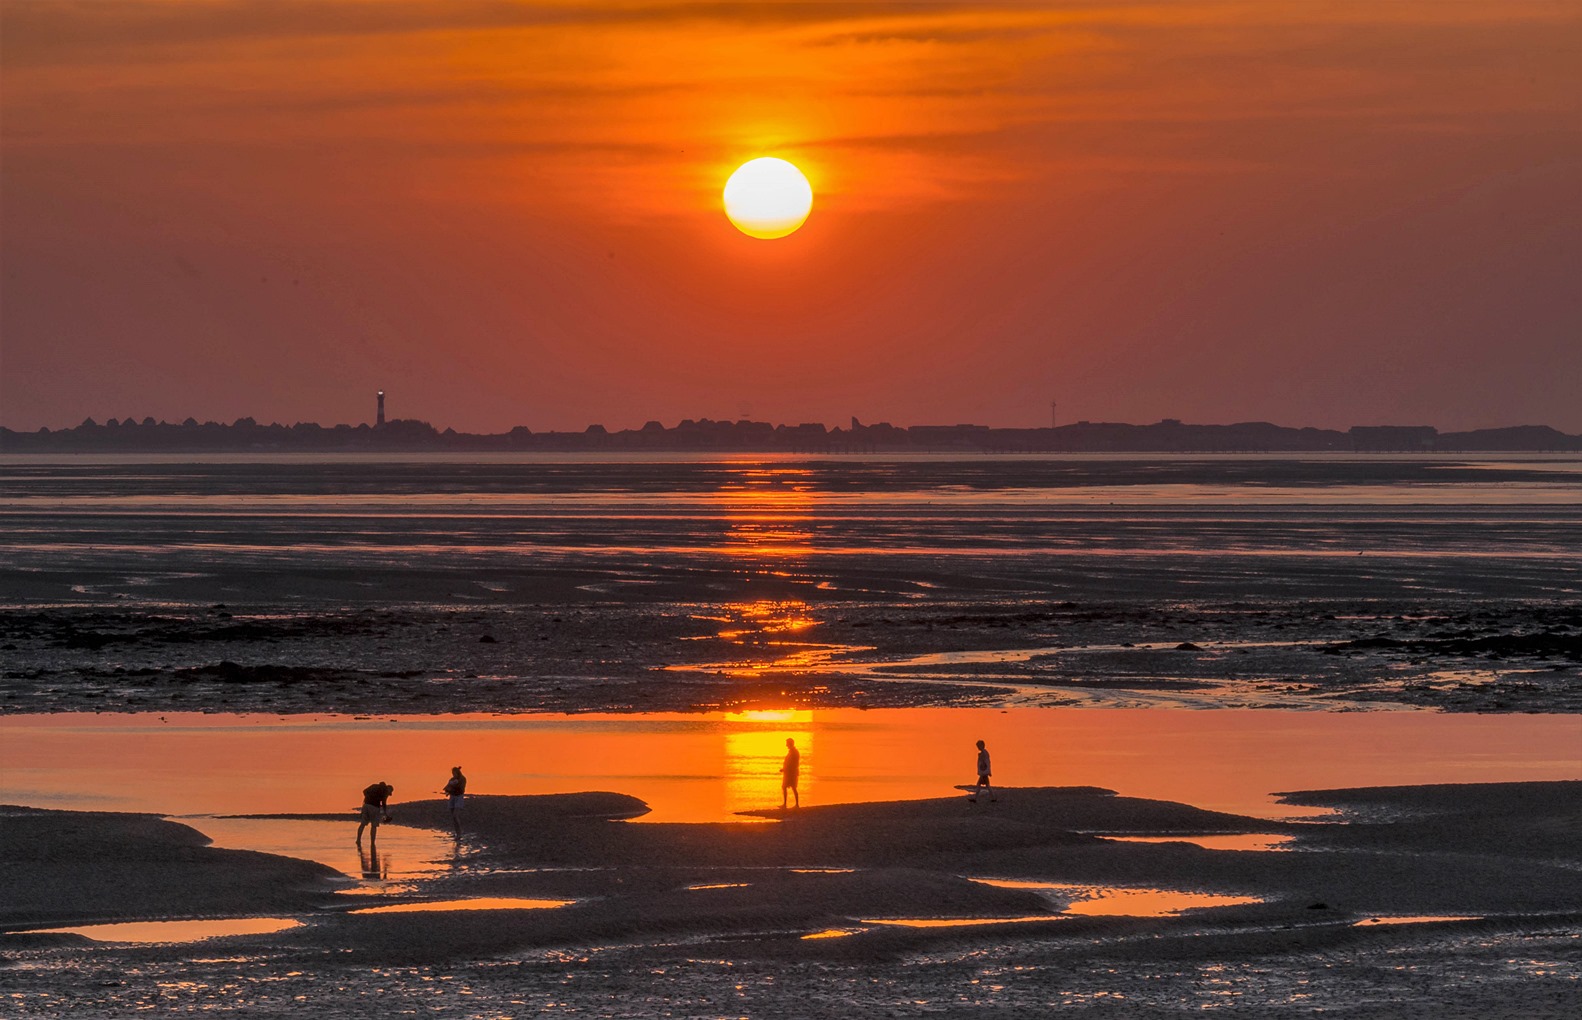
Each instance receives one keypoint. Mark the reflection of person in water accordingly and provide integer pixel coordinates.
(984, 772)
(789, 771)
(456, 793)
(375, 810)
(373, 865)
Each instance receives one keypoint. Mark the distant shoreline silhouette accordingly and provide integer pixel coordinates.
(705, 435)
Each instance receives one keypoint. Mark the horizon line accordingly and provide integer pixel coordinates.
(854, 424)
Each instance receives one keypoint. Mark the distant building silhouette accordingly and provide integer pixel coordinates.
(380, 419)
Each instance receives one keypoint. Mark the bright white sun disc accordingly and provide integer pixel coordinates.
(767, 197)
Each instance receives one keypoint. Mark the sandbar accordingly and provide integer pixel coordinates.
(692, 918)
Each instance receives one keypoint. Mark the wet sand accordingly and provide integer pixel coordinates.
(714, 919)
(755, 653)
(435, 586)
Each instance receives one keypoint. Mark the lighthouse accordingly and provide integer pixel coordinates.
(380, 420)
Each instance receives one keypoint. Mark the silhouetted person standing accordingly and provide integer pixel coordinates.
(984, 771)
(456, 793)
(790, 770)
(376, 799)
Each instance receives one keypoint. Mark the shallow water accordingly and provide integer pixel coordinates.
(401, 856)
(420, 584)
(1237, 841)
(476, 903)
(1122, 901)
(147, 530)
(176, 931)
(1414, 919)
(707, 766)
(1079, 901)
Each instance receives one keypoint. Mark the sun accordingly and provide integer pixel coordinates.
(767, 198)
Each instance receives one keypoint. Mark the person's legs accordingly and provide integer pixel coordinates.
(796, 798)
(373, 814)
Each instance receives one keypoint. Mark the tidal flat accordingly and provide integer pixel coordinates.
(200, 659)
(297, 585)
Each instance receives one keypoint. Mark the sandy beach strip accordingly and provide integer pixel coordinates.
(90, 867)
(1481, 849)
(888, 904)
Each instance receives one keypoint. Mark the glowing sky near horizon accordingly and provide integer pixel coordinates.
(508, 213)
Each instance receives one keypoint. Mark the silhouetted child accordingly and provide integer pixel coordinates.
(456, 793)
(375, 809)
(790, 769)
(984, 772)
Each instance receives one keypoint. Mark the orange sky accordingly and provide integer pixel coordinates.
(508, 213)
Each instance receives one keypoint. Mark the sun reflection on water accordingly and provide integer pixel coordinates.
(1122, 901)
(765, 635)
(148, 932)
(768, 514)
(473, 903)
(755, 622)
(755, 748)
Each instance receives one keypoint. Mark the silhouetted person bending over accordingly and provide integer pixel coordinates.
(984, 771)
(456, 793)
(375, 810)
(790, 769)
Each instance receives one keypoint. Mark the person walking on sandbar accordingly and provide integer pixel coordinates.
(456, 793)
(790, 769)
(376, 799)
(984, 771)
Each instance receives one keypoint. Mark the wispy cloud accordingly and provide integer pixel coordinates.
(930, 98)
